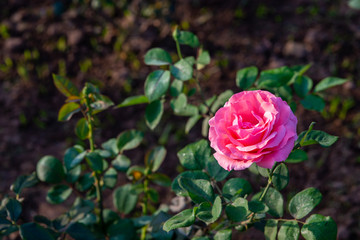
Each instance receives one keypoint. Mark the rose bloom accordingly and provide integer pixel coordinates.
(252, 127)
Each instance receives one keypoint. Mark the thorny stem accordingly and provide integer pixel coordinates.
(97, 176)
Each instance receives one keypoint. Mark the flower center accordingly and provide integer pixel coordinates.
(247, 125)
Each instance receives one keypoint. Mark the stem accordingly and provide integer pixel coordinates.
(265, 190)
(178, 49)
(145, 208)
(97, 176)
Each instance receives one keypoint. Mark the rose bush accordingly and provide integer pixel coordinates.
(252, 127)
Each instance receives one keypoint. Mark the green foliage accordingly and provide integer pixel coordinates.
(157, 57)
(280, 177)
(304, 202)
(58, 194)
(318, 227)
(194, 155)
(219, 204)
(156, 84)
(49, 169)
(129, 140)
(133, 100)
(182, 70)
(153, 113)
(125, 198)
(182, 219)
(246, 77)
(289, 230)
(65, 86)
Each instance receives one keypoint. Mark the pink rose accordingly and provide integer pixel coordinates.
(252, 127)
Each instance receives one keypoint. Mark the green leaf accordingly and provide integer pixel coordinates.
(157, 57)
(194, 155)
(316, 136)
(223, 235)
(275, 77)
(65, 86)
(122, 229)
(354, 4)
(280, 177)
(205, 127)
(313, 102)
(58, 194)
(101, 103)
(79, 231)
(191, 122)
(125, 198)
(246, 77)
(73, 157)
(160, 179)
(111, 146)
(153, 113)
(188, 38)
(133, 100)
(183, 219)
(188, 111)
(33, 231)
(258, 207)
(73, 174)
(155, 158)
(275, 202)
(67, 110)
(156, 84)
(49, 169)
(13, 209)
(176, 88)
(270, 229)
(318, 227)
(236, 187)
(221, 100)
(182, 70)
(302, 85)
(187, 174)
(85, 182)
(289, 230)
(191, 60)
(208, 212)
(238, 210)
(82, 129)
(215, 170)
(95, 161)
(199, 190)
(121, 163)
(80, 209)
(203, 59)
(297, 156)
(4, 225)
(304, 202)
(110, 178)
(179, 103)
(129, 139)
(328, 83)
(23, 181)
(300, 69)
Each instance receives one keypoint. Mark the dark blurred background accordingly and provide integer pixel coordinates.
(104, 41)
